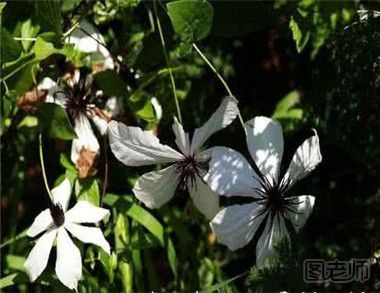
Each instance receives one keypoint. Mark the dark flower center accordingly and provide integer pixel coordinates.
(189, 168)
(274, 198)
(57, 214)
(78, 97)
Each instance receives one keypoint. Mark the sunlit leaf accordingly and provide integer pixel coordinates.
(191, 19)
(88, 189)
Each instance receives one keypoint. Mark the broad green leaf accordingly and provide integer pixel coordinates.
(10, 49)
(66, 162)
(15, 262)
(299, 37)
(16, 278)
(146, 219)
(191, 19)
(54, 121)
(48, 15)
(88, 189)
(28, 30)
(47, 44)
(285, 108)
(142, 107)
(111, 84)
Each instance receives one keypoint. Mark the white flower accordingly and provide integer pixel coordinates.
(55, 222)
(135, 147)
(78, 101)
(230, 174)
(88, 40)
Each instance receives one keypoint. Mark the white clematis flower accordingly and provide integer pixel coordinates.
(88, 40)
(230, 174)
(135, 147)
(56, 221)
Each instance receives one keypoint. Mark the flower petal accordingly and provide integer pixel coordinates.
(305, 159)
(157, 187)
(135, 147)
(266, 145)
(39, 256)
(221, 118)
(230, 174)
(206, 200)
(274, 231)
(55, 94)
(303, 209)
(86, 138)
(89, 235)
(90, 42)
(85, 212)
(100, 123)
(40, 223)
(62, 193)
(182, 138)
(236, 225)
(68, 266)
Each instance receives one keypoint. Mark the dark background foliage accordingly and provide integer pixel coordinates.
(321, 59)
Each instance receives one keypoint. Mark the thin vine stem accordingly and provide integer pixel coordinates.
(228, 90)
(167, 62)
(43, 168)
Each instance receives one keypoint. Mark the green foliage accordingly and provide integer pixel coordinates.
(191, 19)
(10, 49)
(54, 122)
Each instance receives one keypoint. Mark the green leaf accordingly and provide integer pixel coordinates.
(48, 15)
(142, 107)
(54, 122)
(10, 49)
(126, 272)
(146, 219)
(191, 19)
(2, 6)
(67, 163)
(222, 284)
(300, 38)
(111, 84)
(13, 279)
(88, 189)
(48, 44)
(285, 108)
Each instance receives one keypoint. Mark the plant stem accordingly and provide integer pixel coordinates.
(219, 77)
(66, 34)
(43, 168)
(167, 63)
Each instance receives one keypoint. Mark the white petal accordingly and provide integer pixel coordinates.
(156, 188)
(62, 193)
(89, 235)
(182, 138)
(266, 246)
(91, 42)
(221, 118)
(40, 223)
(135, 147)
(100, 123)
(305, 159)
(86, 138)
(68, 266)
(206, 200)
(230, 174)
(236, 225)
(303, 209)
(266, 145)
(55, 93)
(39, 256)
(85, 212)
(114, 106)
(157, 107)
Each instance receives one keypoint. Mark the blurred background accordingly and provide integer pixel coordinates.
(308, 64)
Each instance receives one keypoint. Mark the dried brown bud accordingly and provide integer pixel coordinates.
(30, 100)
(86, 163)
